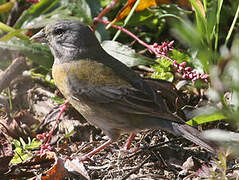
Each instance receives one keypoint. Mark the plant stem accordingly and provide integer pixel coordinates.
(232, 26)
(107, 9)
(219, 7)
(127, 19)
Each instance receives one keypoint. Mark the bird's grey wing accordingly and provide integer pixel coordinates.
(125, 99)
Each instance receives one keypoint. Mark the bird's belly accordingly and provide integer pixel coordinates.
(103, 117)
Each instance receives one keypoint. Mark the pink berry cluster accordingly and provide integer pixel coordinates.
(33, 1)
(161, 50)
(188, 73)
(45, 145)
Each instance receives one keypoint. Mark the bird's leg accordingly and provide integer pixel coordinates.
(129, 141)
(102, 146)
(126, 148)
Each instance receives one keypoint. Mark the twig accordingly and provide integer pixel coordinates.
(152, 147)
(105, 10)
(127, 32)
(152, 176)
(163, 143)
(137, 168)
(145, 68)
(15, 69)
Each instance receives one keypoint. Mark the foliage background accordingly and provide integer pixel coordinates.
(207, 44)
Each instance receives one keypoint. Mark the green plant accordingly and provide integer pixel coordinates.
(22, 149)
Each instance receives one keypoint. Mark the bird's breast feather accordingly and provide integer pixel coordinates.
(85, 73)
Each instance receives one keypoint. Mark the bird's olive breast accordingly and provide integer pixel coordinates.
(84, 72)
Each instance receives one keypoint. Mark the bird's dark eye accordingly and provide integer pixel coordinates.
(58, 31)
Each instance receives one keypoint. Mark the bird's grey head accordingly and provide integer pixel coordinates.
(69, 40)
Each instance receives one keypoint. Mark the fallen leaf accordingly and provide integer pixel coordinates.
(19, 125)
(191, 164)
(77, 168)
(6, 153)
(56, 168)
(57, 171)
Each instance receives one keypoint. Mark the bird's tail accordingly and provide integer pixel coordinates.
(194, 135)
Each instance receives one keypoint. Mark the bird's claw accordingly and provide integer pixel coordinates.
(85, 158)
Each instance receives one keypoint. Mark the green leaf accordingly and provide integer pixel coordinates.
(233, 25)
(125, 54)
(95, 7)
(35, 51)
(18, 158)
(65, 9)
(18, 150)
(16, 143)
(80, 8)
(9, 29)
(201, 21)
(44, 19)
(146, 18)
(21, 146)
(22, 142)
(58, 99)
(187, 33)
(206, 118)
(35, 10)
(180, 56)
(68, 135)
(163, 75)
(33, 144)
(10, 35)
(212, 19)
(162, 70)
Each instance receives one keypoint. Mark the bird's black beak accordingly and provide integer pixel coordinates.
(39, 37)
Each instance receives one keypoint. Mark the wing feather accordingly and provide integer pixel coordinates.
(126, 99)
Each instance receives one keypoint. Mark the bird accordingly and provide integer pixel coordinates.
(107, 93)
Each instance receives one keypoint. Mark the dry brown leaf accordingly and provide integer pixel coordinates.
(77, 167)
(6, 153)
(19, 125)
(57, 171)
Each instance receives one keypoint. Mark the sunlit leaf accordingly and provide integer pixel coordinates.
(125, 54)
(58, 99)
(206, 118)
(10, 35)
(7, 6)
(34, 11)
(17, 33)
(162, 70)
(200, 17)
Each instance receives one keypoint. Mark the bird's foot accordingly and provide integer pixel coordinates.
(85, 158)
(126, 149)
(129, 151)
(88, 156)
